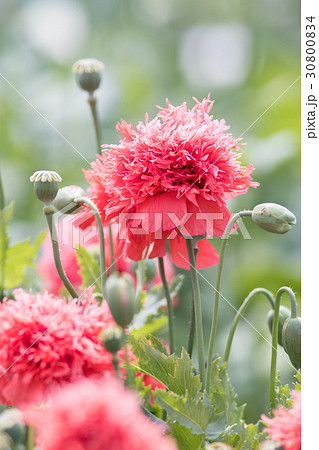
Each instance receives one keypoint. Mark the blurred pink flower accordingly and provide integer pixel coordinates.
(69, 237)
(285, 426)
(96, 415)
(46, 341)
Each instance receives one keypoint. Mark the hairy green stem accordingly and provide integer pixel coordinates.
(198, 310)
(251, 296)
(85, 200)
(191, 335)
(48, 211)
(92, 102)
(274, 343)
(217, 288)
(169, 304)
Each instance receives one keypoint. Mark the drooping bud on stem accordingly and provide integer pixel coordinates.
(284, 313)
(291, 340)
(64, 201)
(120, 294)
(273, 218)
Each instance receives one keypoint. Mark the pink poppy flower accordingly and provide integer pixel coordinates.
(96, 415)
(171, 175)
(46, 341)
(285, 426)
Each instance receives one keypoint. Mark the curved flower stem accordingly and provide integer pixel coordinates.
(169, 304)
(84, 200)
(217, 288)
(198, 310)
(92, 102)
(49, 211)
(191, 335)
(241, 311)
(274, 343)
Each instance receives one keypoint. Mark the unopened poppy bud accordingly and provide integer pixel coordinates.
(284, 313)
(120, 294)
(64, 200)
(88, 73)
(291, 340)
(274, 218)
(113, 339)
(46, 185)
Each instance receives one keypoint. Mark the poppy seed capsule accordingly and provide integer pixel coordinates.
(120, 294)
(45, 185)
(284, 313)
(113, 339)
(274, 218)
(291, 340)
(88, 73)
(64, 199)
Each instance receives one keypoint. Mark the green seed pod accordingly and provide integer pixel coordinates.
(88, 74)
(120, 294)
(291, 340)
(46, 185)
(113, 339)
(284, 313)
(64, 200)
(274, 218)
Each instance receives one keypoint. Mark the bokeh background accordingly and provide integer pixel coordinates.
(246, 54)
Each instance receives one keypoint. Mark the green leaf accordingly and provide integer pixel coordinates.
(222, 394)
(283, 395)
(184, 379)
(243, 437)
(17, 258)
(185, 439)
(152, 361)
(177, 374)
(153, 326)
(194, 412)
(89, 269)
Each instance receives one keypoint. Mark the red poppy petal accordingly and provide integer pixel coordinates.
(162, 212)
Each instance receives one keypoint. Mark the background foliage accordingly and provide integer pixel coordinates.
(245, 53)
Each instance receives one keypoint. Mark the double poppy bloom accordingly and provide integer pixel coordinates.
(169, 180)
